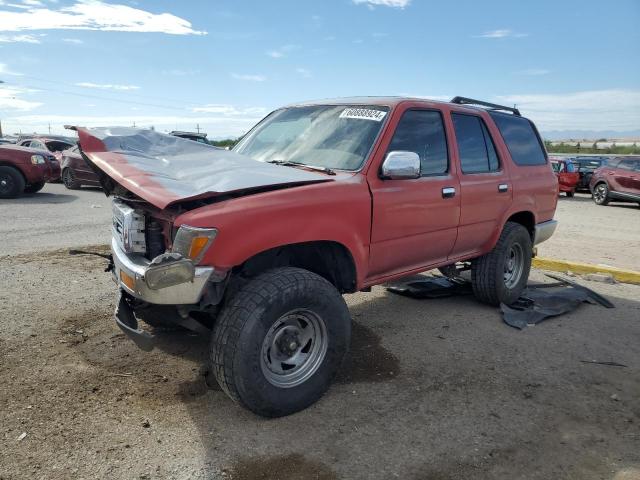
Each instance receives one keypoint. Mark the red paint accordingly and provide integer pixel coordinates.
(567, 181)
(20, 159)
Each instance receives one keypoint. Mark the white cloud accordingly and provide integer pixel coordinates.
(502, 33)
(614, 109)
(229, 110)
(75, 41)
(20, 38)
(249, 78)
(303, 72)
(383, 3)
(94, 15)
(282, 51)
(106, 86)
(10, 99)
(4, 70)
(534, 72)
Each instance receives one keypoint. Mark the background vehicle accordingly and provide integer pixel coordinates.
(53, 146)
(23, 170)
(195, 136)
(255, 246)
(568, 178)
(619, 181)
(585, 166)
(75, 171)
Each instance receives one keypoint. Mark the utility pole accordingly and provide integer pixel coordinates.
(198, 127)
(0, 128)
(49, 128)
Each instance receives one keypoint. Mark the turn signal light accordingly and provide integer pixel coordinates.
(128, 280)
(193, 242)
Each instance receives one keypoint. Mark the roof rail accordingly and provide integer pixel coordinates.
(491, 106)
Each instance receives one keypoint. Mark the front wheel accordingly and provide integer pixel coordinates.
(280, 341)
(601, 194)
(11, 182)
(501, 275)
(69, 179)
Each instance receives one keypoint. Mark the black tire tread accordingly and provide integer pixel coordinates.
(235, 314)
(484, 277)
(18, 179)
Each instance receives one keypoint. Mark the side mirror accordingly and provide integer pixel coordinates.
(399, 165)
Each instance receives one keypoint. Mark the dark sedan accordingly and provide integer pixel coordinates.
(75, 171)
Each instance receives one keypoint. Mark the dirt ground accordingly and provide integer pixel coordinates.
(432, 389)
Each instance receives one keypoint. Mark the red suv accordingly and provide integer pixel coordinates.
(24, 170)
(255, 247)
(618, 181)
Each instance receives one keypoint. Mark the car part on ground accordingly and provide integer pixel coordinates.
(318, 199)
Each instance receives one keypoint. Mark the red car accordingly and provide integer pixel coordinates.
(255, 247)
(50, 145)
(75, 171)
(568, 177)
(23, 170)
(617, 181)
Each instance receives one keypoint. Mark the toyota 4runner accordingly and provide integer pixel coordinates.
(255, 247)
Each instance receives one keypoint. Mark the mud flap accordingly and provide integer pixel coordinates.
(128, 323)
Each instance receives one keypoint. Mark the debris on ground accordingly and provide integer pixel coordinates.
(537, 302)
(600, 277)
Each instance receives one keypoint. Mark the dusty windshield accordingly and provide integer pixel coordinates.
(331, 136)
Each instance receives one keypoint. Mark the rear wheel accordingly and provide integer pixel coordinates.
(280, 340)
(69, 179)
(34, 187)
(501, 275)
(11, 182)
(601, 194)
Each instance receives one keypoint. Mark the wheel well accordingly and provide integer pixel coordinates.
(330, 260)
(526, 219)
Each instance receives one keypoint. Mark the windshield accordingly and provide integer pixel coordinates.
(331, 136)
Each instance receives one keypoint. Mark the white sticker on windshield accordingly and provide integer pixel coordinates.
(363, 113)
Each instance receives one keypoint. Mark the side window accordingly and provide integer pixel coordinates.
(422, 132)
(626, 164)
(521, 138)
(475, 146)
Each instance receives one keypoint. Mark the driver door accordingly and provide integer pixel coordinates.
(415, 220)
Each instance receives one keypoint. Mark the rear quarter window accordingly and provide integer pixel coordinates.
(521, 139)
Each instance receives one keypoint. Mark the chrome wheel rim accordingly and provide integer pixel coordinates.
(600, 193)
(513, 265)
(294, 348)
(67, 178)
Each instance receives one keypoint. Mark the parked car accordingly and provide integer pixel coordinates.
(195, 136)
(618, 181)
(53, 146)
(23, 170)
(75, 171)
(567, 175)
(585, 166)
(255, 246)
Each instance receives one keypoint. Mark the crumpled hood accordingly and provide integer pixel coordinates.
(163, 169)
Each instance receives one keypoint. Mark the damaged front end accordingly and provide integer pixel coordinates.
(153, 178)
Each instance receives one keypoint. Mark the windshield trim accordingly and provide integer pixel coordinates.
(366, 157)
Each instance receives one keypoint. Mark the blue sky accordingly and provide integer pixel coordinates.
(569, 65)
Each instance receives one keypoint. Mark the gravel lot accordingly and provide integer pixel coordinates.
(433, 389)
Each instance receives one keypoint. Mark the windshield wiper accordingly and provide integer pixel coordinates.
(290, 163)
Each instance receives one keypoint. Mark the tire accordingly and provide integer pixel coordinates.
(601, 194)
(265, 319)
(570, 194)
(34, 187)
(11, 182)
(69, 179)
(501, 275)
(159, 317)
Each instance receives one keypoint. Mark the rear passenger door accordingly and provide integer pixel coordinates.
(485, 189)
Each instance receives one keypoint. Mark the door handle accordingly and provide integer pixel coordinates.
(448, 192)
(503, 187)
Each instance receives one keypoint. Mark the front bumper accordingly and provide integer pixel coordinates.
(544, 230)
(135, 266)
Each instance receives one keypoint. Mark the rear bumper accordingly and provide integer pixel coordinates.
(544, 231)
(135, 266)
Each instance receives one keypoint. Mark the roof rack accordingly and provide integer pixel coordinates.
(491, 106)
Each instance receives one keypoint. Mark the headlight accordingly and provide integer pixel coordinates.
(193, 242)
(37, 159)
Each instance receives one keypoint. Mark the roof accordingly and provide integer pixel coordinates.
(388, 101)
